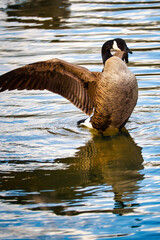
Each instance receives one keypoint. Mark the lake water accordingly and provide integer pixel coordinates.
(60, 181)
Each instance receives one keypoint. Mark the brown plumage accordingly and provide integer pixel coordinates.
(116, 95)
(70, 81)
(110, 95)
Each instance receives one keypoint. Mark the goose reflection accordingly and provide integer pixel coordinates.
(110, 165)
(114, 162)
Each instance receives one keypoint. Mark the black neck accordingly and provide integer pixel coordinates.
(106, 53)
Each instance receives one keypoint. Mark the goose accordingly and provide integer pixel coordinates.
(108, 97)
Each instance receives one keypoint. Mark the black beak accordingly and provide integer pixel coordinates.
(128, 50)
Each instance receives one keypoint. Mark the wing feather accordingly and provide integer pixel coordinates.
(75, 83)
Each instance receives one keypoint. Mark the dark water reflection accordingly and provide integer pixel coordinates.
(113, 163)
(40, 13)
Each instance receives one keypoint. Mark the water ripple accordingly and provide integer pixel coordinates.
(59, 180)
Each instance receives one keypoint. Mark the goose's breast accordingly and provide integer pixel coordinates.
(115, 99)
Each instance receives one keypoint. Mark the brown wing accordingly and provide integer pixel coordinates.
(73, 82)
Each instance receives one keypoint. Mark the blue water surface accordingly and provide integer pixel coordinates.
(60, 181)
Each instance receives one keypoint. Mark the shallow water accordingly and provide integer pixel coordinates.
(59, 181)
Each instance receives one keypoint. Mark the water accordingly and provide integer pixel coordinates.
(59, 181)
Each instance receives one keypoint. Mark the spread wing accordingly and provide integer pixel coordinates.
(75, 83)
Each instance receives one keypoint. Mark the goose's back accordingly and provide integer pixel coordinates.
(116, 95)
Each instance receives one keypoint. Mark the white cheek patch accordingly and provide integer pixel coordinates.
(115, 46)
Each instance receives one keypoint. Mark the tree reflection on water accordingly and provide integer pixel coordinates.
(46, 14)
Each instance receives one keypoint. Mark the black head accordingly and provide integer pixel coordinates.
(117, 44)
(120, 44)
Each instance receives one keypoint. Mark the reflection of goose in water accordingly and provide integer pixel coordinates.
(110, 96)
(116, 162)
(113, 163)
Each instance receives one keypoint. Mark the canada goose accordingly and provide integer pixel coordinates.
(108, 97)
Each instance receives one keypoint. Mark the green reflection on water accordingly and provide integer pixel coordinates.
(110, 165)
(40, 13)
